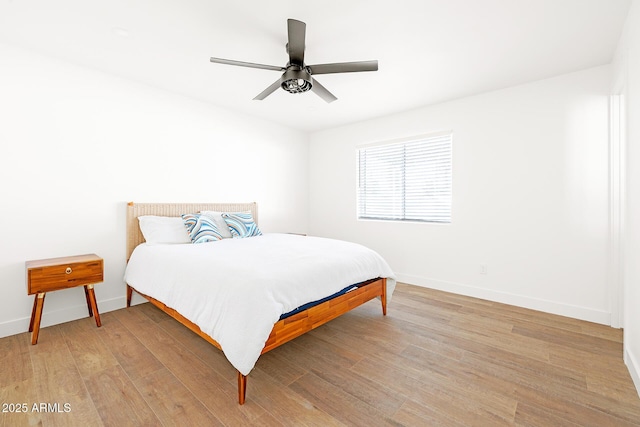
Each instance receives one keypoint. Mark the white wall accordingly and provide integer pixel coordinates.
(530, 185)
(627, 77)
(77, 144)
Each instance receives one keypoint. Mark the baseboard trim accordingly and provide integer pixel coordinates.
(633, 365)
(567, 310)
(79, 311)
(50, 318)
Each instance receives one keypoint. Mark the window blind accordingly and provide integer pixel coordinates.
(406, 181)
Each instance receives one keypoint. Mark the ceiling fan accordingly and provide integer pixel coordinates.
(297, 76)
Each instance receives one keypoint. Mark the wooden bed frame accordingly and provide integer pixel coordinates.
(283, 331)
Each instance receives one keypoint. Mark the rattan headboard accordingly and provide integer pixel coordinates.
(134, 210)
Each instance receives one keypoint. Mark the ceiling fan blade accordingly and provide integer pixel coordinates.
(295, 47)
(268, 91)
(322, 92)
(246, 64)
(344, 67)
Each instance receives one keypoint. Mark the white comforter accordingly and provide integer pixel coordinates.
(235, 290)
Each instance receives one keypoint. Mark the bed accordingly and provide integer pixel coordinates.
(247, 296)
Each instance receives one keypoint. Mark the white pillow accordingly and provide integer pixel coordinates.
(163, 229)
(223, 228)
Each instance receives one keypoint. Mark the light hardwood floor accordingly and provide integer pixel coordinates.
(435, 359)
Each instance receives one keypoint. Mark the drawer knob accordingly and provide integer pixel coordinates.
(68, 270)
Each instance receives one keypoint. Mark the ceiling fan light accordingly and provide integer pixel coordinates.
(296, 81)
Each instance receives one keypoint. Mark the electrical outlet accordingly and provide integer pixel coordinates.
(483, 268)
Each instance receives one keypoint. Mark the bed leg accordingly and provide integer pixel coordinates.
(383, 297)
(129, 293)
(242, 388)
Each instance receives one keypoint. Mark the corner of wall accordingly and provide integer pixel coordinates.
(634, 368)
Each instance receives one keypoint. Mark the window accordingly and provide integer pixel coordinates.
(408, 180)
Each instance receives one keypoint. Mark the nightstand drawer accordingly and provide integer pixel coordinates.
(52, 275)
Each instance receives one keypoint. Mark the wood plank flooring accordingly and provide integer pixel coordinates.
(436, 359)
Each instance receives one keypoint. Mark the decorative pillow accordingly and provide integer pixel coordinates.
(163, 229)
(222, 226)
(201, 228)
(241, 224)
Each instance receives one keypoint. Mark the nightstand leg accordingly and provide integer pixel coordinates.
(33, 312)
(36, 315)
(86, 295)
(93, 305)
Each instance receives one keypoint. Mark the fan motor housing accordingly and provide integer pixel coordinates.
(296, 80)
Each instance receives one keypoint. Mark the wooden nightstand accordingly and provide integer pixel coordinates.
(46, 275)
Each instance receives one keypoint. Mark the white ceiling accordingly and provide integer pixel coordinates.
(429, 51)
